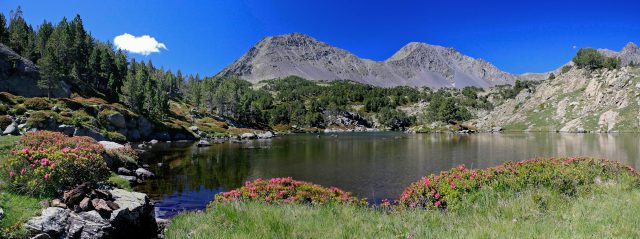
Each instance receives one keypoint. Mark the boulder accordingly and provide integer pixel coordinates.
(153, 141)
(145, 127)
(496, 129)
(134, 135)
(100, 205)
(248, 136)
(57, 203)
(131, 179)
(204, 143)
(108, 145)
(84, 131)
(161, 135)
(53, 222)
(85, 204)
(12, 129)
(117, 120)
(75, 195)
(1, 213)
(193, 128)
(89, 225)
(20, 76)
(66, 129)
(265, 135)
(124, 171)
(136, 216)
(143, 173)
(41, 236)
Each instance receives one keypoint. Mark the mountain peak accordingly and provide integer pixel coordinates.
(630, 46)
(415, 64)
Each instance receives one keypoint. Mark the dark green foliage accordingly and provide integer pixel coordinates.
(551, 76)
(591, 59)
(565, 69)
(444, 108)
(395, 119)
(4, 32)
(512, 92)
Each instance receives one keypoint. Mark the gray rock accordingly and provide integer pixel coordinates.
(496, 129)
(20, 76)
(153, 141)
(89, 225)
(41, 236)
(145, 127)
(1, 213)
(248, 136)
(116, 119)
(108, 145)
(265, 135)
(136, 215)
(53, 222)
(131, 179)
(124, 171)
(12, 129)
(204, 143)
(193, 128)
(143, 173)
(84, 131)
(134, 135)
(66, 129)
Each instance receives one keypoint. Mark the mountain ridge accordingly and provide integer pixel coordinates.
(415, 64)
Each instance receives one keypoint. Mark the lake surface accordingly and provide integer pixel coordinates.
(372, 165)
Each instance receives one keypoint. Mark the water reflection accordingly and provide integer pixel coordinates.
(372, 165)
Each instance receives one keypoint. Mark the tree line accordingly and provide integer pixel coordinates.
(66, 51)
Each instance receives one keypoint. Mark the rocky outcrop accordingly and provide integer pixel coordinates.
(20, 76)
(134, 217)
(416, 64)
(576, 101)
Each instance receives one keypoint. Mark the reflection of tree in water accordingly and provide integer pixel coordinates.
(191, 168)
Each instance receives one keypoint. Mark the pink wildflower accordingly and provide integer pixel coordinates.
(453, 185)
(437, 203)
(46, 176)
(11, 174)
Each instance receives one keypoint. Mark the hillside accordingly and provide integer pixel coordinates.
(576, 101)
(416, 64)
(20, 76)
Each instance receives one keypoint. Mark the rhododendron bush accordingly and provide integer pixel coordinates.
(566, 175)
(287, 190)
(46, 162)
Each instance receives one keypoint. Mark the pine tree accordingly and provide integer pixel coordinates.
(21, 36)
(4, 32)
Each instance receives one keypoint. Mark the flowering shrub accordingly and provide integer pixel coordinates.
(37, 103)
(448, 189)
(287, 190)
(45, 162)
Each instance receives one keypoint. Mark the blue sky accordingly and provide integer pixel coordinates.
(205, 36)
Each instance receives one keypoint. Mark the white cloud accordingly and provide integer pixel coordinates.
(574, 46)
(144, 45)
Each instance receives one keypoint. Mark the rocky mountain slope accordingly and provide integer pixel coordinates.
(20, 76)
(576, 101)
(416, 64)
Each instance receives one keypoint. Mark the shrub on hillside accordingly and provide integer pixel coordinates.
(17, 110)
(46, 162)
(4, 109)
(591, 59)
(5, 121)
(9, 98)
(37, 103)
(287, 190)
(566, 175)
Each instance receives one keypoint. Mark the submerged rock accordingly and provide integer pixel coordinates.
(143, 173)
(204, 143)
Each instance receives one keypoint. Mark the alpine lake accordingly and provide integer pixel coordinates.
(372, 165)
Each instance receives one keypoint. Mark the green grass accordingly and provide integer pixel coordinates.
(119, 182)
(608, 210)
(17, 209)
